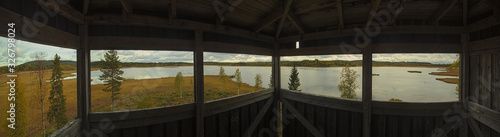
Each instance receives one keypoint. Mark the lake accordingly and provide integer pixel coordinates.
(392, 82)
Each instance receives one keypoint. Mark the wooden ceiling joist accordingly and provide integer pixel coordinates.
(172, 12)
(494, 4)
(64, 10)
(373, 11)
(127, 6)
(443, 9)
(275, 15)
(340, 14)
(85, 7)
(295, 21)
(396, 13)
(287, 5)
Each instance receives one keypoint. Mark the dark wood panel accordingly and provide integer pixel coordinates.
(187, 128)
(328, 102)
(331, 122)
(300, 130)
(417, 129)
(392, 126)
(158, 130)
(343, 129)
(235, 122)
(172, 129)
(495, 97)
(211, 126)
(143, 131)
(356, 127)
(320, 119)
(224, 124)
(309, 114)
(130, 132)
(244, 119)
(405, 126)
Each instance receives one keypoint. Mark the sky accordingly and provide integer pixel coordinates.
(25, 51)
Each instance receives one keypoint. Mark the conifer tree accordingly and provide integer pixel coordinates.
(178, 82)
(348, 84)
(111, 75)
(294, 79)
(57, 100)
(237, 76)
(258, 82)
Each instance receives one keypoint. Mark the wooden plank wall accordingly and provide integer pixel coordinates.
(232, 123)
(485, 85)
(330, 122)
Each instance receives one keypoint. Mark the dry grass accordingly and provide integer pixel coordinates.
(454, 72)
(135, 94)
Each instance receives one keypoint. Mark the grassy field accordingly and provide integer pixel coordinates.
(135, 94)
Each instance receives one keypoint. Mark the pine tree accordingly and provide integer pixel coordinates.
(178, 82)
(258, 82)
(237, 76)
(111, 75)
(57, 100)
(348, 85)
(222, 76)
(294, 79)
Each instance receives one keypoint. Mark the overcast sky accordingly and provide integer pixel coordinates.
(25, 50)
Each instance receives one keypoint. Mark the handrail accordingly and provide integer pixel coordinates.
(151, 116)
(378, 107)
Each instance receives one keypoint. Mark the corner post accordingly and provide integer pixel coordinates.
(367, 89)
(277, 85)
(464, 81)
(83, 78)
(198, 78)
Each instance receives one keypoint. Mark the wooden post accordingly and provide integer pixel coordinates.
(198, 78)
(464, 81)
(367, 89)
(277, 84)
(83, 78)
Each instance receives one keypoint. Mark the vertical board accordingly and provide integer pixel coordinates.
(417, 130)
(320, 119)
(130, 132)
(288, 121)
(244, 119)
(116, 133)
(378, 125)
(474, 81)
(428, 126)
(157, 130)
(343, 123)
(485, 86)
(172, 129)
(143, 131)
(299, 128)
(356, 124)
(405, 126)
(309, 113)
(392, 126)
(495, 104)
(235, 122)
(331, 122)
(224, 124)
(211, 126)
(187, 127)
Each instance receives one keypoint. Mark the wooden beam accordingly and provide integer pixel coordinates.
(199, 88)
(485, 45)
(494, 4)
(234, 102)
(465, 12)
(83, 78)
(483, 24)
(464, 80)
(151, 21)
(295, 21)
(172, 12)
(274, 16)
(140, 43)
(63, 9)
(373, 11)
(276, 76)
(258, 118)
(301, 118)
(85, 7)
(443, 9)
(127, 6)
(488, 117)
(43, 35)
(328, 102)
(385, 30)
(235, 48)
(367, 89)
(340, 14)
(411, 108)
(288, 4)
(397, 12)
(475, 128)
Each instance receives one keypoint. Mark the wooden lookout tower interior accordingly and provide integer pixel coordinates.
(275, 28)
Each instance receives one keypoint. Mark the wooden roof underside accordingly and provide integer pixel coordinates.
(302, 16)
